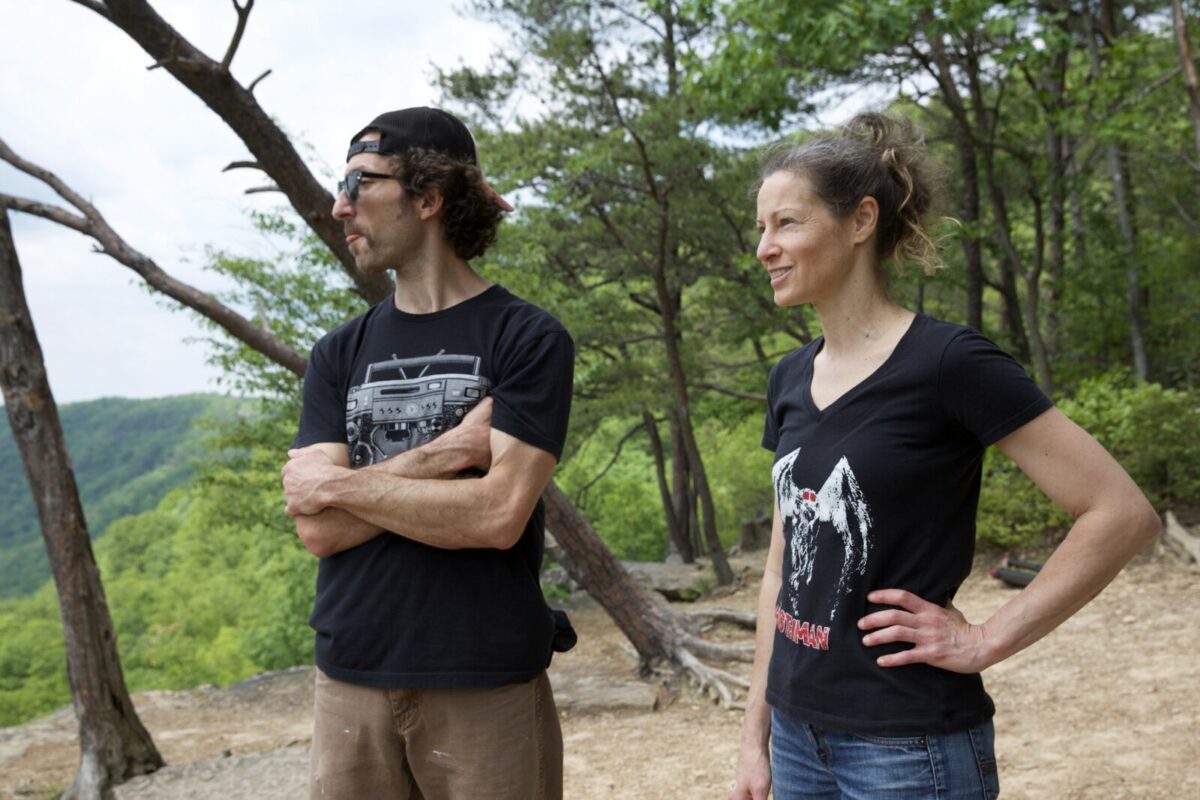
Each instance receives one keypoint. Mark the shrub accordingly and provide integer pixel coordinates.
(1152, 431)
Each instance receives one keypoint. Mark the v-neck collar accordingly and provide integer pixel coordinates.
(810, 405)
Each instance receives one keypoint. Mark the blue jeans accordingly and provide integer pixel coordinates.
(808, 762)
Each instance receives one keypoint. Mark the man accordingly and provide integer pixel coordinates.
(430, 426)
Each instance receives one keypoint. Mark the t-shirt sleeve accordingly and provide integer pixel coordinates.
(323, 408)
(770, 438)
(532, 399)
(985, 389)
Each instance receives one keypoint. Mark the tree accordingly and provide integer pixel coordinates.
(639, 213)
(114, 745)
(1054, 125)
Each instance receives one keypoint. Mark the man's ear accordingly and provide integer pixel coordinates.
(430, 203)
(866, 218)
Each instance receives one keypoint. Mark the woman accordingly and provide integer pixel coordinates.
(866, 678)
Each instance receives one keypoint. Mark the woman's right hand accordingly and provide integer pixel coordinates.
(753, 778)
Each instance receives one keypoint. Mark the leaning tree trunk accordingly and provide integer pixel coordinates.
(114, 745)
(659, 634)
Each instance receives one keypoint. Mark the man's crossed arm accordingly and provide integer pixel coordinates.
(414, 494)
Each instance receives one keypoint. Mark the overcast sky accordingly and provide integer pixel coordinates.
(76, 98)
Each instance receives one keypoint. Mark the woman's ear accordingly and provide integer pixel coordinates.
(866, 218)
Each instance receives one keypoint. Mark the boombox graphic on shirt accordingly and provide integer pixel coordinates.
(404, 403)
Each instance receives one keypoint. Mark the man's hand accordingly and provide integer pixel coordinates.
(941, 637)
(465, 446)
(307, 469)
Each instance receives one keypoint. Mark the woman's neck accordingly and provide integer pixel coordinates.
(860, 319)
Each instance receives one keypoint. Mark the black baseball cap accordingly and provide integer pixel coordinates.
(430, 128)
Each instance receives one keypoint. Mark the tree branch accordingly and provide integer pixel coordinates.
(712, 387)
(581, 495)
(96, 6)
(242, 165)
(52, 213)
(93, 224)
(257, 81)
(243, 13)
(238, 108)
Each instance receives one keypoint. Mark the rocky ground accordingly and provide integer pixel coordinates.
(1105, 707)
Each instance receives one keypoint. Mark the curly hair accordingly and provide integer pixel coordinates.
(469, 215)
(879, 156)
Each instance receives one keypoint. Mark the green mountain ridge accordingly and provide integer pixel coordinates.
(126, 454)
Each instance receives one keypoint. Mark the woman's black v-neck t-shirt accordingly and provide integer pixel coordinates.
(879, 491)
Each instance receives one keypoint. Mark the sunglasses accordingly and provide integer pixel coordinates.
(350, 183)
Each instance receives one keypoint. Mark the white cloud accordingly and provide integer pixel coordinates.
(76, 98)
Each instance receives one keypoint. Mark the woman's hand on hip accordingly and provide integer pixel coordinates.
(941, 637)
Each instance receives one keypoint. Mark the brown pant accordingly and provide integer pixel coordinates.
(435, 744)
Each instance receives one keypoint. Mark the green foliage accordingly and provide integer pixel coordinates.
(621, 498)
(1149, 429)
(126, 455)
(210, 586)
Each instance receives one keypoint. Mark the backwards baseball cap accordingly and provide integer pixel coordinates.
(429, 128)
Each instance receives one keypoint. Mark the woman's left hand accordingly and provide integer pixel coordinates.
(941, 637)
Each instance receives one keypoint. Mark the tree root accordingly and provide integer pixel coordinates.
(715, 651)
(742, 619)
(710, 680)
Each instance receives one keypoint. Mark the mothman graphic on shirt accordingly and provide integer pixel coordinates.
(839, 504)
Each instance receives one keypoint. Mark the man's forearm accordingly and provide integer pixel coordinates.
(333, 529)
(473, 512)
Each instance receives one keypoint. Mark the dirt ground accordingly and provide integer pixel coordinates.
(1105, 707)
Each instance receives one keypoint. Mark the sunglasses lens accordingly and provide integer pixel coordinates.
(350, 186)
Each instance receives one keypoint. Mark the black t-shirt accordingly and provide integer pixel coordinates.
(394, 612)
(879, 491)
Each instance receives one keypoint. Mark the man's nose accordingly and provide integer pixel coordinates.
(342, 207)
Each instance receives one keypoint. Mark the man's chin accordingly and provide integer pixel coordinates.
(369, 266)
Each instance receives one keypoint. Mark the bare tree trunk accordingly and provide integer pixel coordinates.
(1123, 198)
(1009, 264)
(1189, 71)
(667, 304)
(968, 161)
(681, 498)
(1056, 192)
(677, 537)
(1031, 302)
(114, 745)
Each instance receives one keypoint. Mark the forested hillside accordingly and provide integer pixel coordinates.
(127, 455)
